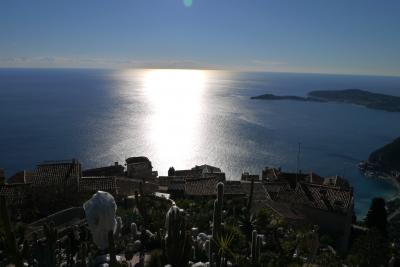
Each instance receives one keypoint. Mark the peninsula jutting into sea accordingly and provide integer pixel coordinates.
(351, 96)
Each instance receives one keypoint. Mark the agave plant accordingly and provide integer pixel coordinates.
(223, 244)
(246, 223)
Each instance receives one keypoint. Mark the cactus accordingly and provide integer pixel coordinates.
(216, 232)
(11, 243)
(111, 248)
(118, 230)
(51, 234)
(82, 255)
(258, 247)
(254, 247)
(250, 200)
(140, 204)
(256, 243)
(207, 247)
(134, 232)
(177, 243)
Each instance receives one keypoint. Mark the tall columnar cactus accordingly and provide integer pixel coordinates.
(134, 231)
(177, 243)
(111, 248)
(215, 259)
(51, 234)
(256, 243)
(11, 243)
(250, 200)
(258, 247)
(82, 255)
(118, 230)
(140, 205)
(253, 246)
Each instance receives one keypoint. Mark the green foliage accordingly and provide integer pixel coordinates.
(377, 216)
(9, 236)
(239, 244)
(326, 240)
(246, 223)
(199, 213)
(372, 249)
(223, 244)
(156, 259)
(328, 259)
(263, 219)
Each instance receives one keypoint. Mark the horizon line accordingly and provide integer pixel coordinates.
(199, 68)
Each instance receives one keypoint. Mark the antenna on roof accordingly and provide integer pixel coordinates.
(344, 171)
(298, 162)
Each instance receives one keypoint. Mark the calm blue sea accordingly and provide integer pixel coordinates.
(183, 118)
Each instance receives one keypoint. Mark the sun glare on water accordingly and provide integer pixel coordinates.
(175, 99)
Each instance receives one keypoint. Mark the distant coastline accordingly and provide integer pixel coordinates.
(287, 97)
(352, 96)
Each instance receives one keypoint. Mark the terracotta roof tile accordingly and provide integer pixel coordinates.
(201, 187)
(324, 197)
(55, 173)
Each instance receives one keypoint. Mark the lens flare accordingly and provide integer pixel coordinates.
(188, 3)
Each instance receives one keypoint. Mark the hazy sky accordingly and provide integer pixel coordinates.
(333, 36)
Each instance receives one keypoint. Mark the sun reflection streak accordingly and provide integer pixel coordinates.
(175, 105)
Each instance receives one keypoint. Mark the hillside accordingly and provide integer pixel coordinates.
(388, 156)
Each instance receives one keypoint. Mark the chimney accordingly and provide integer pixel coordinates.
(2, 177)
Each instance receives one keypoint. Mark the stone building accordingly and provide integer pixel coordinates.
(312, 199)
(202, 171)
(139, 168)
(114, 170)
(248, 177)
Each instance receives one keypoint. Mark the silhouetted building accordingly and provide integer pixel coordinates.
(139, 168)
(197, 173)
(248, 177)
(128, 186)
(65, 174)
(202, 171)
(113, 170)
(207, 168)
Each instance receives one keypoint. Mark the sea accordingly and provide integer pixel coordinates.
(183, 118)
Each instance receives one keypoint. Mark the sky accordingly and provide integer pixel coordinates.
(338, 36)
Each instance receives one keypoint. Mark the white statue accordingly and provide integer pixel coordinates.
(100, 215)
